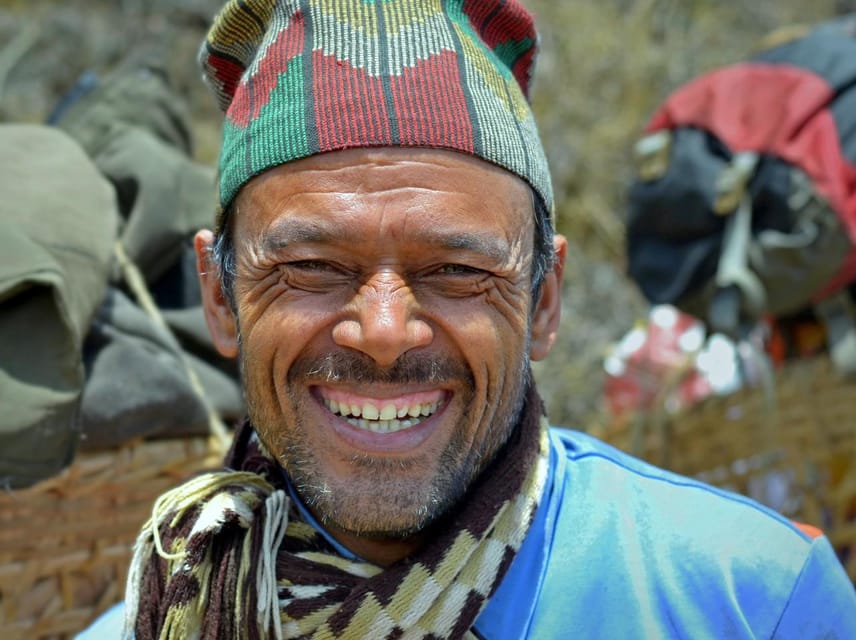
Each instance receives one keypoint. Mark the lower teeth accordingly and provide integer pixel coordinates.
(382, 426)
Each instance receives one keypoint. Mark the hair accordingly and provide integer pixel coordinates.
(543, 254)
(222, 254)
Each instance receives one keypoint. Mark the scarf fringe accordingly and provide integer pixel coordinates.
(209, 503)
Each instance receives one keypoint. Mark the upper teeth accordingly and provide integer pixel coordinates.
(385, 417)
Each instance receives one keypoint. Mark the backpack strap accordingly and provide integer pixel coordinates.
(838, 316)
(737, 286)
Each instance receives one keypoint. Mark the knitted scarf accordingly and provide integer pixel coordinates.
(226, 555)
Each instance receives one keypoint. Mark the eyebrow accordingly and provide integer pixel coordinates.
(288, 233)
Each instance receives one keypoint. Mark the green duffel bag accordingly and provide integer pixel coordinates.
(58, 224)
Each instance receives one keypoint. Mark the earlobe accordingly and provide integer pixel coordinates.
(218, 312)
(548, 311)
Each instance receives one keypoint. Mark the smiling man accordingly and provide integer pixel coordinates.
(382, 310)
(384, 269)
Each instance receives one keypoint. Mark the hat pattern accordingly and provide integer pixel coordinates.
(301, 77)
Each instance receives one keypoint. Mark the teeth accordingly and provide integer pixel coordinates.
(387, 419)
(383, 426)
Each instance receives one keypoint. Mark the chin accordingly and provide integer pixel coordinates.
(395, 530)
(407, 505)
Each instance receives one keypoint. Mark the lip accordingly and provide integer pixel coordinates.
(398, 442)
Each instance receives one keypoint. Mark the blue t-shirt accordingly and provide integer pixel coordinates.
(622, 549)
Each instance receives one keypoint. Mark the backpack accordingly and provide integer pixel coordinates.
(744, 203)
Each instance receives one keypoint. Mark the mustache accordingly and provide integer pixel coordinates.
(354, 367)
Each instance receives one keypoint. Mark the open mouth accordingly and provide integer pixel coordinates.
(382, 417)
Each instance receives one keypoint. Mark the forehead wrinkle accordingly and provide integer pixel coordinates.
(289, 232)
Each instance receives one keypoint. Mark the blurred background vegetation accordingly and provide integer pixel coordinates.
(603, 68)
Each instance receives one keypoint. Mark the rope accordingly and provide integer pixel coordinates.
(137, 284)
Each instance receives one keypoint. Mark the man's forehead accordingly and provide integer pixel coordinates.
(407, 179)
(381, 163)
(290, 231)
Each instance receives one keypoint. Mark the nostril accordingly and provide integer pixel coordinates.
(421, 333)
(384, 342)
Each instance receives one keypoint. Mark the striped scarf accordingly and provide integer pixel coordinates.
(227, 555)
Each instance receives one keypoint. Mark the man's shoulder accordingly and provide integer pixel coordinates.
(677, 553)
(599, 474)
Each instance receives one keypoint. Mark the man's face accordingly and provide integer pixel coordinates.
(383, 314)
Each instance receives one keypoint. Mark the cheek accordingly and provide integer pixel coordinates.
(492, 334)
(509, 301)
(273, 338)
(498, 320)
(272, 313)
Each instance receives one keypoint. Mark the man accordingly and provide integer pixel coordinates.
(384, 269)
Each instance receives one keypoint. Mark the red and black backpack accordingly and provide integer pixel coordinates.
(744, 205)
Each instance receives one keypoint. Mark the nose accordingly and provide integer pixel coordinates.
(383, 322)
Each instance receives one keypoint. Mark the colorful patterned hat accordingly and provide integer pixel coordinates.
(301, 77)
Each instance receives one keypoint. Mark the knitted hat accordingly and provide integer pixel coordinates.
(301, 77)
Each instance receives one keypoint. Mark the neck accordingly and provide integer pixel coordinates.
(379, 551)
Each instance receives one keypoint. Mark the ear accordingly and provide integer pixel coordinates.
(548, 310)
(218, 314)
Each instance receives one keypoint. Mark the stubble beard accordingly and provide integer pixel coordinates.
(383, 497)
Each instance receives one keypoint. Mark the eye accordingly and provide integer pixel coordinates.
(312, 266)
(458, 270)
(454, 280)
(314, 275)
